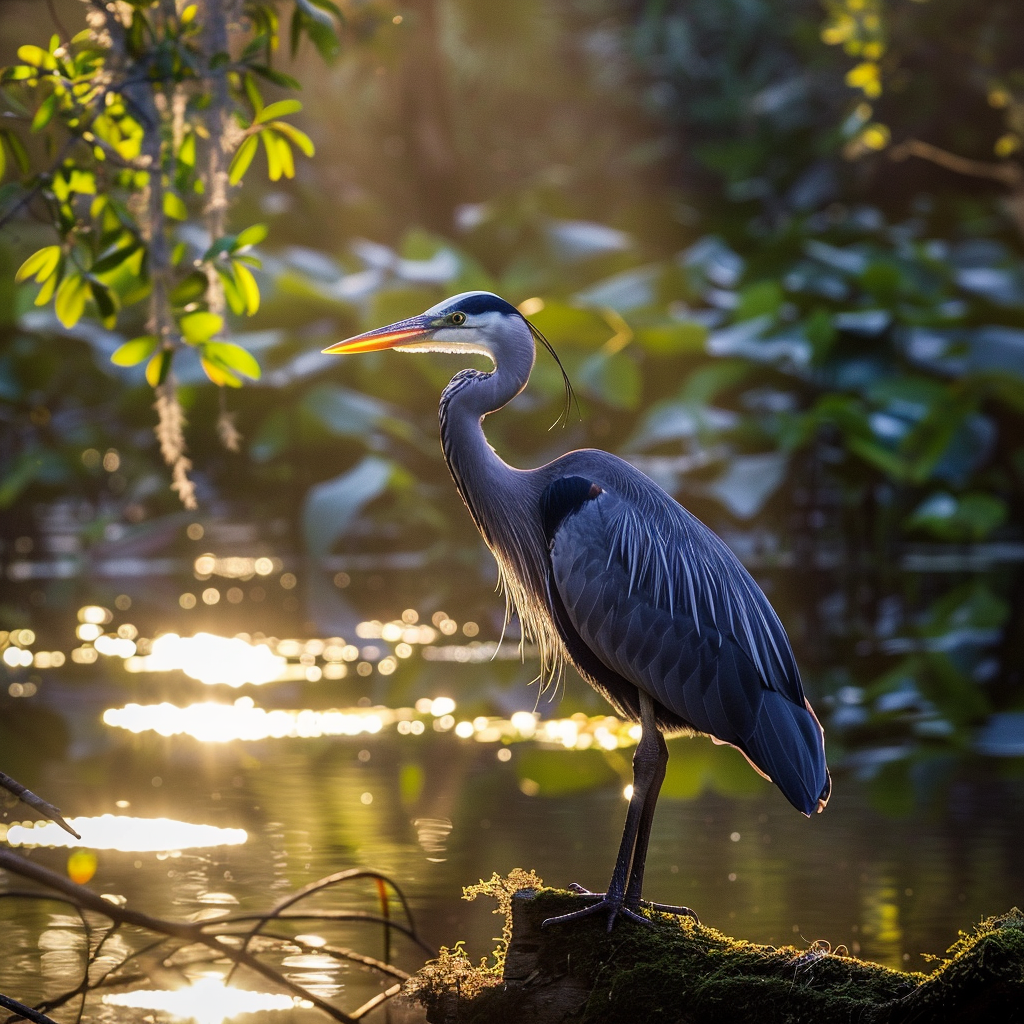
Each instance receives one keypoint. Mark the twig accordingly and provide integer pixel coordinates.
(43, 806)
(318, 915)
(325, 883)
(1008, 173)
(24, 1011)
(65, 36)
(191, 932)
(372, 1004)
(341, 953)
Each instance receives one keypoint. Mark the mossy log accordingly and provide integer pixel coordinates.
(680, 972)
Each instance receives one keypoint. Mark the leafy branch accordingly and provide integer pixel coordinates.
(153, 123)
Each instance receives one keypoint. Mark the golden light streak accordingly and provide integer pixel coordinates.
(129, 835)
(206, 1001)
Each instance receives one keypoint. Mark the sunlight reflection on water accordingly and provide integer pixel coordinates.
(129, 835)
(206, 1001)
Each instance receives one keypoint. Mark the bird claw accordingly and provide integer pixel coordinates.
(666, 908)
(617, 906)
(613, 908)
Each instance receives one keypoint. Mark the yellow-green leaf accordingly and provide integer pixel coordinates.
(242, 159)
(279, 109)
(44, 113)
(174, 207)
(72, 296)
(219, 375)
(287, 159)
(248, 287)
(187, 153)
(201, 326)
(131, 353)
(46, 292)
(236, 300)
(300, 138)
(274, 166)
(251, 236)
(37, 57)
(40, 264)
(234, 357)
(82, 182)
(156, 369)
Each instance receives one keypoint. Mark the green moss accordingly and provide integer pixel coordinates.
(680, 972)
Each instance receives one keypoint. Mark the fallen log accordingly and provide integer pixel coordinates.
(681, 972)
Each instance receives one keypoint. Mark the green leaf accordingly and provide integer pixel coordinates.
(174, 206)
(253, 93)
(241, 160)
(284, 81)
(72, 296)
(201, 326)
(236, 300)
(37, 57)
(46, 292)
(282, 108)
(82, 182)
(40, 264)
(44, 113)
(191, 288)
(300, 138)
(18, 150)
(673, 339)
(187, 152)
(760, 299)
(220, 375)
(104, 300)
(158, 367)
(614, 379)
(251, 236)
(131, 353)
(234, 357)
(275, 168)
(113, 259)
(248, 287)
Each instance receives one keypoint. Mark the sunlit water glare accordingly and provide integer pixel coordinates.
(206, 1001)
(130, 835)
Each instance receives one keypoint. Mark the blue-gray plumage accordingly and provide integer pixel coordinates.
(608, 572)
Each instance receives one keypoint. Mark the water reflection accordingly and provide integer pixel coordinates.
(211, 659)
(206, 1001)
(210, 722)
(120, 832)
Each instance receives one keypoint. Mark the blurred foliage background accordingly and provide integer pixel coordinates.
(777, 244)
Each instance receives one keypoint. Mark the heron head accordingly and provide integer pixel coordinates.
(477, 323)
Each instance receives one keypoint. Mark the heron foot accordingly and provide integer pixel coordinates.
(603, 901)
(613, 907)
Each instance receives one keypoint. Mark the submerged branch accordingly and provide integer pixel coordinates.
(223, 945)
(25, 1011)
(43, 806)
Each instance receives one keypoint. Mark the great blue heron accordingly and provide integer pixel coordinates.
(610, 573)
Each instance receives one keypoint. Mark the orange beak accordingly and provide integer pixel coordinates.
(404, 332)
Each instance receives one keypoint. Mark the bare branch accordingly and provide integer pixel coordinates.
(1007, 173)
(43, 806)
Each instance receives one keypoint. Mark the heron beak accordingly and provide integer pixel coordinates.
(404, 332)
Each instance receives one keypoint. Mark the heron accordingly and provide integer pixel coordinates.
(609, 573)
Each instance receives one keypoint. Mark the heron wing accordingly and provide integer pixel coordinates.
(664, 604)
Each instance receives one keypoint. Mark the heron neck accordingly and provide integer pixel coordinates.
(479, 473)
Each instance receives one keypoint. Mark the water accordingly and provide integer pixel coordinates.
(438, 774)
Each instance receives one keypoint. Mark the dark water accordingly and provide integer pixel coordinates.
(436, 810)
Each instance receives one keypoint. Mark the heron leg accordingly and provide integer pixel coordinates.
(649, 762)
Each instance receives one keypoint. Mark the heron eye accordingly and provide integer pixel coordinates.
(458, 319)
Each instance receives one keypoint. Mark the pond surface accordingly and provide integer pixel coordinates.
(414, 744)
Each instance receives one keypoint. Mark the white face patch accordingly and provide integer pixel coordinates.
(470, 338)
